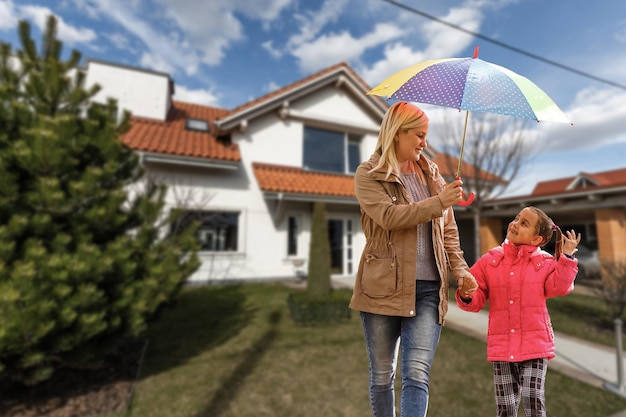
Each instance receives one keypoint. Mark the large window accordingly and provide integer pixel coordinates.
(329, 151)
(217, 232)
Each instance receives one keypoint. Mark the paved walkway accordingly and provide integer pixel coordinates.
(588, 362)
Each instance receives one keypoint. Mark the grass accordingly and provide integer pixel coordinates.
(584, 316)
(226, 351)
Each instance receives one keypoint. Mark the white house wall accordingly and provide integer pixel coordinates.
(336, 104)
(143, 93)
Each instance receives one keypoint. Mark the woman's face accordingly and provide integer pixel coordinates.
(523, 229)
(410, 143)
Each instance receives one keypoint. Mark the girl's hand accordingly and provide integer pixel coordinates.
(467, 286)
(570, 241)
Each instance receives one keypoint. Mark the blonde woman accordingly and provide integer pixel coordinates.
(412, 243)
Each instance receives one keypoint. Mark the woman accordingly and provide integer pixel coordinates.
(412, 241)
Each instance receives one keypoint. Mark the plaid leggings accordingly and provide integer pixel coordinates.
(509, 377)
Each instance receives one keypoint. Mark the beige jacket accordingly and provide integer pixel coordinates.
(385, 281)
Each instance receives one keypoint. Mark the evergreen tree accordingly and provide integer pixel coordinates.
(83, 263)
(319, 253)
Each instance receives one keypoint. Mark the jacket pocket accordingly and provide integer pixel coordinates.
(379, 277)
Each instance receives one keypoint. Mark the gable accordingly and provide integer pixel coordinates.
(339, 79)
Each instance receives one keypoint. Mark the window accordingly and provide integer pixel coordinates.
(329, 151)
(197, 124)
(292, 236)
(354, 156)
(335, 237)
(217, 231)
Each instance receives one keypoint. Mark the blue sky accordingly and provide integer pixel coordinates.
(224, 53)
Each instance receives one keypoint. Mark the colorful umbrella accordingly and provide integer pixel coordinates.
(470, 84)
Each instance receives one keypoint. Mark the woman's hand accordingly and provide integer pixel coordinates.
(570, 241)
(451, 194)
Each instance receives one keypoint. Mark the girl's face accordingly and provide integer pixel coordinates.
(409, 144)
(523, 229)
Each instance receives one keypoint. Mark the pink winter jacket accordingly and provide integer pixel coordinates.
(516, 281)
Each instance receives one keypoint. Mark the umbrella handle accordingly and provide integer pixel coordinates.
(469, 200)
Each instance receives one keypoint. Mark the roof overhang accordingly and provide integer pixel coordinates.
(188, 161)
(609, 197)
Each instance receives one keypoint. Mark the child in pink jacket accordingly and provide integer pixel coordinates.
(516, 278)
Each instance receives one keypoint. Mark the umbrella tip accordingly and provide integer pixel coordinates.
(475, 52)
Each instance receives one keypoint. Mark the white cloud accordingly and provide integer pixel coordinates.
(205, 97)
(444, 41)
(8, 19)
(269, 47)
(312, 23)
(271, 86)
(264, 10)
(330, 49)
(68, 34)
(395, 57)
(598, 117)
(620, 33)
(118, 40)
(156, 62)
(210, 27)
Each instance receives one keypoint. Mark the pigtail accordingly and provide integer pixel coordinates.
(558, 247)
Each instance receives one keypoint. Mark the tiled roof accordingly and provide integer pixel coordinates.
(170, 137)
(286, 179)
(603, 179)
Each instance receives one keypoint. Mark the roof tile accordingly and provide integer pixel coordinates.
(287, 179)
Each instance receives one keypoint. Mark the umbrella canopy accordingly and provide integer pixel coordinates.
(471, 84)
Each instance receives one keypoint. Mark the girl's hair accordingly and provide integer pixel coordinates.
(400, 116)
(546, 228)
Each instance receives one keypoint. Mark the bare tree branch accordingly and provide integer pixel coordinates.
(495, 149)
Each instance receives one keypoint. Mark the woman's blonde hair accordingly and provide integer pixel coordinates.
(400, 116)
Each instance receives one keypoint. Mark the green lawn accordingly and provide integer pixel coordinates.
(226, 351)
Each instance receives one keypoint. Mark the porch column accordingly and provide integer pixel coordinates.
(611, 232)
(490, 233)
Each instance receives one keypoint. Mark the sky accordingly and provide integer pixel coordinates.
(224, 53)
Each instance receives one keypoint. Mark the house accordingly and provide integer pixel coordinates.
(591, 203)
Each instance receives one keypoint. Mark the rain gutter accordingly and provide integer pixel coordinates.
(189, 161)
(310, 198)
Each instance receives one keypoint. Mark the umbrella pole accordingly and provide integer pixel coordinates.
(458, 170)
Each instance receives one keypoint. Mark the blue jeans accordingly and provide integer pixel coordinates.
(417, 338)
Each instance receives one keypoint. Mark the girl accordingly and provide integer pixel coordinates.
(516, 278)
